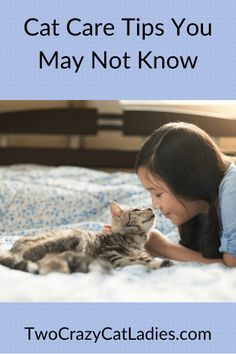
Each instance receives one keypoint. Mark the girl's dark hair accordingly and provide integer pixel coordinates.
(191, 164)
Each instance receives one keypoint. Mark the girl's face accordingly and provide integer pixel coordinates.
(177, 210)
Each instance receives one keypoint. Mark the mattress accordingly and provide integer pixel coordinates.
(38, 198)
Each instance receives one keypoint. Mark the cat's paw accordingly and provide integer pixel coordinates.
(100, 266)
(52, 263)
(155, 264)
(160, 263)
(32, 267)
(167, 263)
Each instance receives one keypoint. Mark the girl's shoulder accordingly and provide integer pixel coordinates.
(227, 207)
(228, 183)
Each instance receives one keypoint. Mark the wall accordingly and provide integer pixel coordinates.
(114, 139)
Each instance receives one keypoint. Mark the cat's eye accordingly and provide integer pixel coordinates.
(136, 210)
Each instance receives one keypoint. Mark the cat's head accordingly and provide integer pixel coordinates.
(131, 220)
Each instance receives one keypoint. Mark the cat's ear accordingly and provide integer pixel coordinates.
(115, 210)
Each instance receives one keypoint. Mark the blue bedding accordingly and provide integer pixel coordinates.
(36, 198)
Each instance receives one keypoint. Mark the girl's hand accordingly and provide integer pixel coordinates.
(106, 229)
(157, 244)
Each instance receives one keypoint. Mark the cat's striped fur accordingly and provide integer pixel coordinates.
(78, 250)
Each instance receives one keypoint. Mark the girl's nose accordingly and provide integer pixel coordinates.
(155, 204)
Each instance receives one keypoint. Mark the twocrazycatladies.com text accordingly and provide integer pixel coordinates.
(110, 334)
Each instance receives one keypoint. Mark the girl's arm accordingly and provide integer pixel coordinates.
(158, 245)
(229, 260)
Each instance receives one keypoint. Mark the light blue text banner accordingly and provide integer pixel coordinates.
(117, 327)
(118, 49)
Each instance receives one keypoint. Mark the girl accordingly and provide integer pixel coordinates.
(193, 185)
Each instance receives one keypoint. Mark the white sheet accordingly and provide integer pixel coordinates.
(36, 198)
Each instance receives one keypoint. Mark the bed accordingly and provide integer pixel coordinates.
(42, 189)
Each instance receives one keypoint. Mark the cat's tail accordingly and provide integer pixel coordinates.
(14, 261)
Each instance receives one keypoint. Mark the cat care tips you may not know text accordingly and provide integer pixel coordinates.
(105, 60)
(131, 28)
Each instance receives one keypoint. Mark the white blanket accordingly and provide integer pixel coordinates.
(36, 198)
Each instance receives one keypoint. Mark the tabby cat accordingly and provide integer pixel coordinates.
(76, 250)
